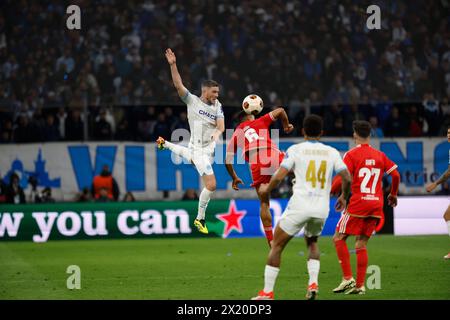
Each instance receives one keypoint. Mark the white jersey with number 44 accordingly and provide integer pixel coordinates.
(313, 164)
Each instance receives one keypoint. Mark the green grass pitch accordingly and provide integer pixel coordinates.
(208, 268)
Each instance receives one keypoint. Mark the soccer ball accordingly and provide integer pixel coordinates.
(252, 104)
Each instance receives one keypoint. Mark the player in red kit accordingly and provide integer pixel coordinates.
(252, 136)
(365, 209)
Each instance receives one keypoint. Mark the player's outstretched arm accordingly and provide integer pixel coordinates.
(280, 113)
(430, 187)
(176, 78)
(346, 180)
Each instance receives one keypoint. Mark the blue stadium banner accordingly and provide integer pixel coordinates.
(142, 169)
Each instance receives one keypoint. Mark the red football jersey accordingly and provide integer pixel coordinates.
(252, 135)
(367, 166)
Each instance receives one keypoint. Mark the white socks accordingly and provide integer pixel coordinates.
(313, 270)
(179, 150)
(205, 195)
(270, 276)
(448, 227)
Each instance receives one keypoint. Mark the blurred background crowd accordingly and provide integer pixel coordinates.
(110, 80)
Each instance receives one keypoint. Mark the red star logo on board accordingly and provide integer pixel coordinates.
(232, 219)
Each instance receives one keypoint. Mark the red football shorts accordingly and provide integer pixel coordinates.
(357, 226)
(265, 165)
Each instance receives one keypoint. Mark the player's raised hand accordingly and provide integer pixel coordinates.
(340, 203)
(431, 187)
(289, 128)
(236, 182)
(170, 56)
(392, 200)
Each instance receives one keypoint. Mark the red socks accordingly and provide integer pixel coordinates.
(344, 258)
(269, 234)
(362, 261)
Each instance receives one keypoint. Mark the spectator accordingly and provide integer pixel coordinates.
(330, 115)
(74, 126)
(3, 191)
(65, 62)
(46, 196)
(190, 194)
(338, 128)
(161, 127)
(123, 132)
(34, 194)
(61, 121)
(104, 185)
(50, 131)
(15, 192)
(84, 195)
(146, 124)
(22, 130)
(102, 128)
(395, 124)
(129, 197)
(432, 113)
(354, 114)
(416, 123)
(181, 122)
(312, 67)
(6, 132)
(376, 131)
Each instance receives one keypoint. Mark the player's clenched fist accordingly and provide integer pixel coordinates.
(289, 128)
(392, 200)
(170, 56)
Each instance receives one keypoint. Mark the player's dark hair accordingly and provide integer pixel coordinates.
(362, 128)
(313, 125)
(209, 83)
(241, 116)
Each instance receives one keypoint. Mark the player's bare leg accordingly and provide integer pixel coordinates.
(313, 265)
(447, 221)
(339, 240)
(179, 150)
(209, 181)
(265, 215)
(361, 262)
(280, 240)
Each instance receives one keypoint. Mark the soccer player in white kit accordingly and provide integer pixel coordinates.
(313, 164)
(444, 177)
(206, 123)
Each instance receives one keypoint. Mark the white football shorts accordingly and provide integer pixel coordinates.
(293, 221)
(203, 158)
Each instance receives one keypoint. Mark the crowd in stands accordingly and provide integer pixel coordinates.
(147, 123)
(308, 55)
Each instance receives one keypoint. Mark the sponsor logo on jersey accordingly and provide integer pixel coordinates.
(206, 113)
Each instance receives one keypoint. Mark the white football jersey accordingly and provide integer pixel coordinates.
(202, 119)
(313, 164)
